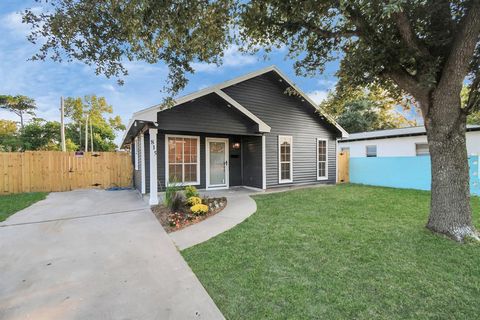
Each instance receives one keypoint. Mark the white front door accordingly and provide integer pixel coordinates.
(217, 162)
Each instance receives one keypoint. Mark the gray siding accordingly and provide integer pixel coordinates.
(146, 141)
(287, 115)
(137, 180)
(252, 161)
(235, 167)
(208, 114)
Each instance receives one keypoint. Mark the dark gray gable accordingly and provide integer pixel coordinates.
(265, 97)
(209, 114)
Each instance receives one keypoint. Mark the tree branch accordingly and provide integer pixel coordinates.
(318, 31)
(408, 36)
(408, 83)
(463, 48)
(473, 102)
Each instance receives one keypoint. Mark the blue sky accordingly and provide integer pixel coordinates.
(47, 81)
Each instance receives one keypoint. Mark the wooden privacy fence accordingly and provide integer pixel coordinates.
(46, 171)
(343, 167)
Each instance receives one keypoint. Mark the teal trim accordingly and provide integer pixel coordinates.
(403, 172)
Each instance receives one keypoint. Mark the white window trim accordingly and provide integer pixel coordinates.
(226, 185)
(280, 180)
(192, 183)
(136, 153)
(326, 159)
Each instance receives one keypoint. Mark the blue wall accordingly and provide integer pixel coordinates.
(402, 172)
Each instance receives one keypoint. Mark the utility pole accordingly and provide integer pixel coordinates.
(91, 135)
(86, 134)
(62, 124)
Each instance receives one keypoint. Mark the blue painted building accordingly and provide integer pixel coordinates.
(403, 172)
(400, 158)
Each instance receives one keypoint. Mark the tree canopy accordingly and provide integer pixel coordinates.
(41, 134)
(19, 105)
(95, 109)
(366, 109)
(405, 45)
(425, 49)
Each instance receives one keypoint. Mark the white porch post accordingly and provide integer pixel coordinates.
(264, 163)
(142, 148)
(153, 167)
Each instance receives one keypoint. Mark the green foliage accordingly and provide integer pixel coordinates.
(96, 110)
(9, 136)
(379, 42)
(341, 252)
(474, 116)
(40, 134)
(20, 105)
(9, 204)
(191, 191)
(366, 109)
(174, 198)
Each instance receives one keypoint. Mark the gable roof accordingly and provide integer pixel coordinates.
(150, 114)
(393, 133)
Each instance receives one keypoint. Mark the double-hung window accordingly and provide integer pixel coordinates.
(183, 159)
(285, 163)
(322, 160)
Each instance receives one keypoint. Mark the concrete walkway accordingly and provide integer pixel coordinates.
(95, 255)
(239, 207)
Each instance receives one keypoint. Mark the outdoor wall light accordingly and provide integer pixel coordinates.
(236, 145)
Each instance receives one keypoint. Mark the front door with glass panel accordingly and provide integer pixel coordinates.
(217, 162)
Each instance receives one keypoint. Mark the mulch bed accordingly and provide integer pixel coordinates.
(183, 217)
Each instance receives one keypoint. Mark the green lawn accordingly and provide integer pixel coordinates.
(12, 203)
(340, 252)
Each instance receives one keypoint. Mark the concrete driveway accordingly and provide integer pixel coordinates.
(93, 254)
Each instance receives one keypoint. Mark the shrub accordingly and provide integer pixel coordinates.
(191, 191)
(172, 196)
(199, 209)
(193, 201)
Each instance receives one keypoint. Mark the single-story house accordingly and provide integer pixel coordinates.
(400, 158)
(258, 130)
(403, 142)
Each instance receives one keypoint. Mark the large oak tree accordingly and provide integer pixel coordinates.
(425, 49)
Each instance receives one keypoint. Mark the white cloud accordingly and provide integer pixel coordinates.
(327, 83)
(109, 87)
(232, 58)
(13, 22)
(318, 95)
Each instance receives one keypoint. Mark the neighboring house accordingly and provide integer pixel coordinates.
(404, 142)
(250, 131)
(400, 158)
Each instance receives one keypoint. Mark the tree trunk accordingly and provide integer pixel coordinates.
(450, 197)
(21, 120)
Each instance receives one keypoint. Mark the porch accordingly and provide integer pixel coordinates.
(208, 161)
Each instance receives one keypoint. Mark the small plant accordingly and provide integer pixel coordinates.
(199, 209)
(191, 191)
(193, 201)
(172, 195)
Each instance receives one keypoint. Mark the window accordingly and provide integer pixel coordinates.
(421, 149)
(285, 159)
(322, 165)
(183, 156)
(371, 151)
(136, 144)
